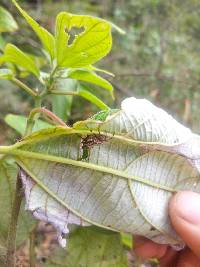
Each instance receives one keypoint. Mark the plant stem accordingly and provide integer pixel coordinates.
(57, 92)
(32, 117)
(24, 87)
(11, 246)
(38, 101)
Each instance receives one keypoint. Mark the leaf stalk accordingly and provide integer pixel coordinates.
(32, 117)
(23, 86)
(57, 92)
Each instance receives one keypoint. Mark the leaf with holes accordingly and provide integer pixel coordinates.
(81, 40)
(116, 170)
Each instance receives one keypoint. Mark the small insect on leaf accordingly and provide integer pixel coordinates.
(90, 141)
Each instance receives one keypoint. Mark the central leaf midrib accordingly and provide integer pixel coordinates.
(87, 165)
(72, 131)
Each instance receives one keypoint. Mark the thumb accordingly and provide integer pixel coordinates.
(184, 210)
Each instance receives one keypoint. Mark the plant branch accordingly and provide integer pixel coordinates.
(57, 92)
(24, 87)
(32, 118)
(11, 245)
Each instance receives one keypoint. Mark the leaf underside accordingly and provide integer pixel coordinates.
(123, 182)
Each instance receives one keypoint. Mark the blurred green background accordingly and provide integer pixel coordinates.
(158, 58)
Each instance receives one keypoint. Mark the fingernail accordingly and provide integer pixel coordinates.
(187, 206)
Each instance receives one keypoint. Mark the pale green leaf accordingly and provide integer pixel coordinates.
(18, 123)
(81, 40)
(6, 74)
(91, 247)
(91, 77)
(118, 173)
(46, 37)
(13, 54)
(7, 22)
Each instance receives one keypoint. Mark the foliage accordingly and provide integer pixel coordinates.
(61, 71)
(157, 58)
(132, 156)
(91, 247)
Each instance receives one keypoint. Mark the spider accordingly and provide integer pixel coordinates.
(90, 141)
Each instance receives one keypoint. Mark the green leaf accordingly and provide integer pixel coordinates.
(13, 54)
(118, 173)
(91, 77)
(6, 74)
(81, 40)
(61, 105)
(7, 22)
(83, 92)
(91, 247)
(18, 123)
(45, 37)
(8, 174)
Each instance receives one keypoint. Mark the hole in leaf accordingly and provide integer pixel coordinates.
(73, 33)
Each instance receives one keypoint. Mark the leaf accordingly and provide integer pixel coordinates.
(91, 77)
(62, 104)
(83, 92)
(6, 74)
(7, 22)
(14, 55)
(113, 171)
(8, 173)
(18, 123)
(81, 40)
(91, 247)
(45, 37)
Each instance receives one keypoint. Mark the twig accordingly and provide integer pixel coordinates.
(11, 246)
(57, 92)
(24, 87)
(34, 112)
